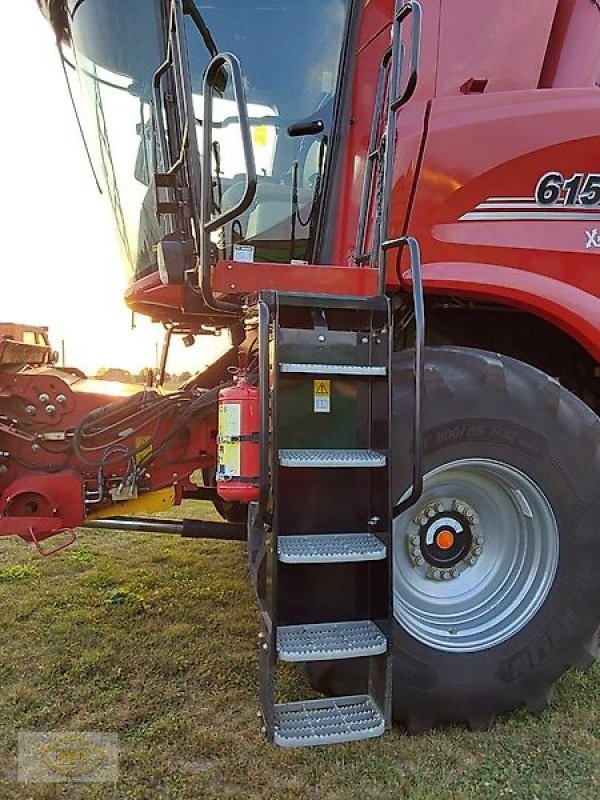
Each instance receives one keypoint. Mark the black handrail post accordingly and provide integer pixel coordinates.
(419, 367)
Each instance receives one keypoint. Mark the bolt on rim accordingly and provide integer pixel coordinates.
(504, 576)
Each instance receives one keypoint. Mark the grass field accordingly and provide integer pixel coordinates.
(155, 638)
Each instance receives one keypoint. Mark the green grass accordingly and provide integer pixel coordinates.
(155, 638)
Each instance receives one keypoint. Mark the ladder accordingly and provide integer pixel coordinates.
(320, 537)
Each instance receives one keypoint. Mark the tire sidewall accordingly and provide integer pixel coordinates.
(539, 652)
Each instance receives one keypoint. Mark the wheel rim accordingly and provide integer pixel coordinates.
(475, 558)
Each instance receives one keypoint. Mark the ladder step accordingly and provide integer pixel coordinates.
(331, 458)
(330, 640)
(332, 369)
(330, 721)
(329, 548)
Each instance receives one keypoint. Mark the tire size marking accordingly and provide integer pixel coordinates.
(492, 431)
(458, 432)
(581, 189)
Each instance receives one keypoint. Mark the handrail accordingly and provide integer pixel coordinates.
(263, 387)
(372, 157)
(208, 223)
(398, 49)
(413, 7)
(386, 150)
(419, 367)
(197, 169)
(186, 160)
(157, 106)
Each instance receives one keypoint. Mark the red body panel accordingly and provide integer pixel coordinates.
(232, 277)
(474, 206)
(501, 42)
(572, 58)
(469, 158)
(150, 296)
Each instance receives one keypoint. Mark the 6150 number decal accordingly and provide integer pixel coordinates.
(579, 190)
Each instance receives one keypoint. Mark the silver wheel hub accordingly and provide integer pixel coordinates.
(439, 525)
(475, 559)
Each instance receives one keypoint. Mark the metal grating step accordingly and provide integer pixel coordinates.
(330, 548)
(331, 721)
(330, 640)
(332, 369)
(331, 458)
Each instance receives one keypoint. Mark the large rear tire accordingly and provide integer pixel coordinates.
(496, 589)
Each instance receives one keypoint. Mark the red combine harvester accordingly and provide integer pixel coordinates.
(422, 523)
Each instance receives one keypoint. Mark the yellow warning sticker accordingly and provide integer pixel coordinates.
(321, 396)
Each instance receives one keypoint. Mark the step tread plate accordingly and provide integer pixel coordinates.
(330, 721)
(331, 458)
(331, 369)
(330, 640)
(330, 548)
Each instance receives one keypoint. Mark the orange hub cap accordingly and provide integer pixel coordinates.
(444, 539)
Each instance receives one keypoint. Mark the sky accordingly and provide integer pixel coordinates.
(59, 259)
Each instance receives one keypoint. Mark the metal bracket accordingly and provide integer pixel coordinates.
(51, 550)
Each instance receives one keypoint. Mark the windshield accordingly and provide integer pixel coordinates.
(289, 52)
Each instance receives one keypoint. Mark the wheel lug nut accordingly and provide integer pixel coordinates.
(479, 540)
(431, 512)
(477, 551)
(439, 508)
(419, 560)
(415, 540)
(446, 575)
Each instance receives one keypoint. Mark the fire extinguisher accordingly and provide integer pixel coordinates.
(238, 449)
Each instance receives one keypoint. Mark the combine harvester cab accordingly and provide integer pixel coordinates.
(316, 178)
